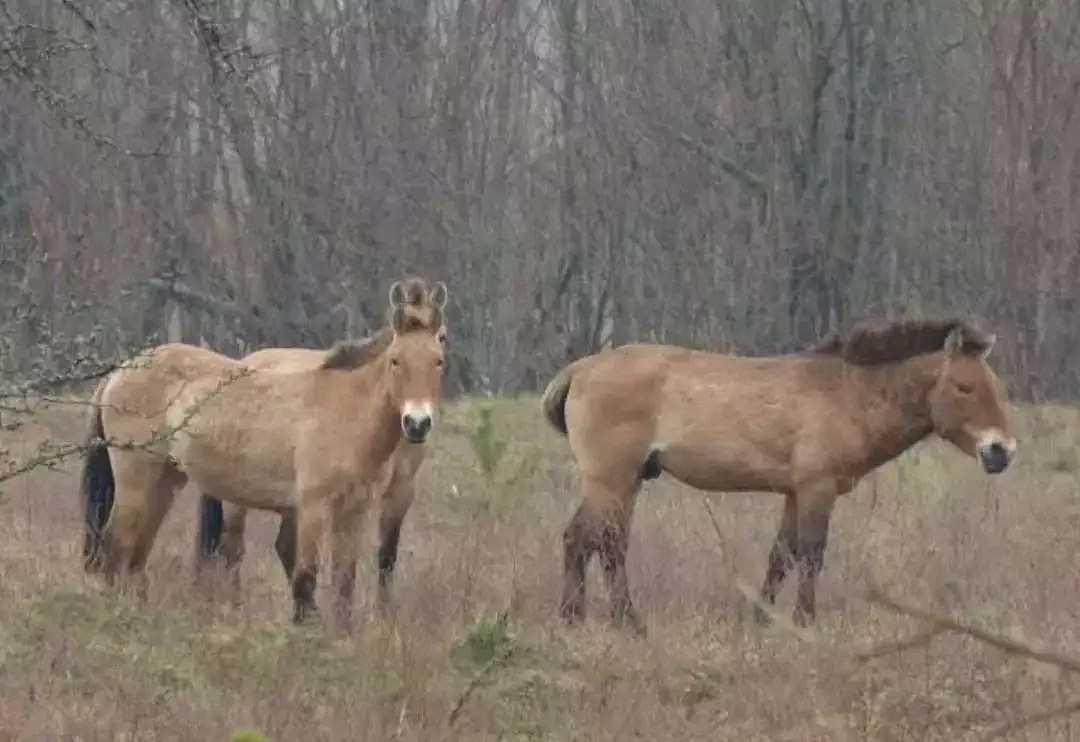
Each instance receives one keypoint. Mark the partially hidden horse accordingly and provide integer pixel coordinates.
(806, 425)
(320, 441)
(221, 524)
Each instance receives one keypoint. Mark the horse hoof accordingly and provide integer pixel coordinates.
(306, 614)
(632, 623)
(803, 619)
(572, 614)
(762, 617)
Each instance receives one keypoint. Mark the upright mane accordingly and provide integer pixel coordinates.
(352, 354)
(414, 296)
(878, 343)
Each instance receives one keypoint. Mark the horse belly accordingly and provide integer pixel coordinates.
(721, 468)
(230, 472)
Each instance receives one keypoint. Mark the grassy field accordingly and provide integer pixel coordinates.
(78, 663)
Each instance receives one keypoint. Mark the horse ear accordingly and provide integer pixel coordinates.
(954, 341)
(962, 339)
(399, 319)
(397, 294)
(438, 294)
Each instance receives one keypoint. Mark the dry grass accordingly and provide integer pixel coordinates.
(79, 663)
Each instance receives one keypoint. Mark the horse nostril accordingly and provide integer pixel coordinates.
(995, 457)
(416, 428)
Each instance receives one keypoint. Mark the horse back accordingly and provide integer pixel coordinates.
(135, 399)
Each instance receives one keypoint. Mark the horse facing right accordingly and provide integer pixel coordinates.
(807, 425)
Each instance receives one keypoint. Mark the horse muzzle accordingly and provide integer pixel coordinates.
(416, 427)
(995, 456)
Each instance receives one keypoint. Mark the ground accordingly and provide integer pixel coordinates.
(79, 663)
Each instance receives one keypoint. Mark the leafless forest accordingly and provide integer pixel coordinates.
(735, 173)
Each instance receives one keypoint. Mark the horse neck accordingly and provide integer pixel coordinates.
(893, 403)
(380, 414)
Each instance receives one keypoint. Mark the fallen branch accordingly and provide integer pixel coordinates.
(945, 623)
(882, 650)
(949, 623)
(1026, 721)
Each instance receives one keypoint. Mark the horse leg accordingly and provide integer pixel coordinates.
(781, 557)
(601, 523)
(208, 534)
(613, 546)
(135, 475)
(814, 509)
(234, 523)
(579, 543)
(395, 506)
(158, 507)
(311, 522)
(344, 551)
(285, 543)
(614, 543)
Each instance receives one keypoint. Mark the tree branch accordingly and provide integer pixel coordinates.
(948, 623)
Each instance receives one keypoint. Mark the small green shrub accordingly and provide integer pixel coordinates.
(489, 640)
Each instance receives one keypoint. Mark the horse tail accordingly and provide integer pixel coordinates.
(97, 486)
(554, 398)
(211, 525)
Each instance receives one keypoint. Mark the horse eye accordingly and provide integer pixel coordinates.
(439, 363)
(394, 362)
(965, 388)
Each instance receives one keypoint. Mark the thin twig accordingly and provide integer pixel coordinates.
(780, 621)
(50, 457)
(500, 657)
(475, 683)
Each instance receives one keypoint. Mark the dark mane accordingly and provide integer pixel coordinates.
(352, 354)
(877, 343)
(407, 296)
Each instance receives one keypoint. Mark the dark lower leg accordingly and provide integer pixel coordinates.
(782, 554)
(311, 520)
(232, 548)
(344, 584)
(812, 540)
(614, 543)
(303, 586)
(211, 523)
(578, 545)
(285, 544)
(389, 534)
(781, 557)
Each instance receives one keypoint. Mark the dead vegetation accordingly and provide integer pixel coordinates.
(476, 652)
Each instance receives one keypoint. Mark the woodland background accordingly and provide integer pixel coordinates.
(739, 174)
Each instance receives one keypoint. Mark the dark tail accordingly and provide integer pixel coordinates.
(97, 487)
(211, 524)
(554, 398)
